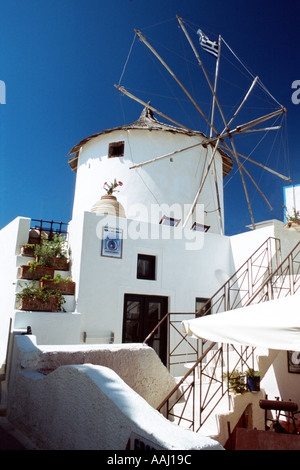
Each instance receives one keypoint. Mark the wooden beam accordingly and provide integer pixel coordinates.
(201, 185)
(125, 92)
(174, 76)
(168, 155)
(286, 178)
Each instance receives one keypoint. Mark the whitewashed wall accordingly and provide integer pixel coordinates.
(186, 269)
(11, 238)
(87, 406)
(291, 198)
(162, 183)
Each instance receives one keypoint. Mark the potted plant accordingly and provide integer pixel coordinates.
(34, 271)
(65, 286)
(294, 219)
(53, 253)
(33, 298)
(253, 380)
(108, 204)
(236, 381)
(27, 249)
(110, 188)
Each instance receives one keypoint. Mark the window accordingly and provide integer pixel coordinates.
(169, 221)
(199, 227)
(116, 149)
(200, 302)
(146, 267)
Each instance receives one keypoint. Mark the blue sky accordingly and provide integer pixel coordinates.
(60, 59)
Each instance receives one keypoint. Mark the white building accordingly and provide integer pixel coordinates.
(162, 267)
(291, 200)
(134, 266)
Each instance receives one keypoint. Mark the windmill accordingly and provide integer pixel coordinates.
(216, 140)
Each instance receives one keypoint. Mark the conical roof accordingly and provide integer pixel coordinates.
(146, 121)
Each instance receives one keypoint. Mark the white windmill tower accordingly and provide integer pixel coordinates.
(217, 141)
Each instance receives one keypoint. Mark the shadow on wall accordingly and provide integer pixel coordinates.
(86, 407)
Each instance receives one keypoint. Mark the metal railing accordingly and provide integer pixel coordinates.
(209, 380)
(48, 227)
(239, 289)
(217, 360)
(244, 283)
(252, 283)
(284, 281)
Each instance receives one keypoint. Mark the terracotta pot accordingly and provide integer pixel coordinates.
(108, 204)
(66, 288)
(36, 273)
(59, 264)
(27, 250)
(37, 305)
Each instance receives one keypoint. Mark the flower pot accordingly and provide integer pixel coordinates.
(66, 288)
(293, 224)
(36, 304)
(26, 272)
(27, 249)
(59, 264)
(253, 383)
(109, 205)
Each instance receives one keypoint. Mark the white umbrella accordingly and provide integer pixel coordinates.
(272, 325)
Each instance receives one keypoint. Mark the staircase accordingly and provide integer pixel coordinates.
(202, 400)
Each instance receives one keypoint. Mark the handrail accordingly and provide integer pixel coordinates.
(243, 355)
(182, 380)
(241, 269)
(271, 276)
(223, 288)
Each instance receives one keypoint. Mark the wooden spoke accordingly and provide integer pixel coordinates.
(286, 178)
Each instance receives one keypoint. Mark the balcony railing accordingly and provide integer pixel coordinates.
(48, 227)
(257, 280)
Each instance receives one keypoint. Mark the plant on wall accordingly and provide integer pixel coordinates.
(110, 188)
(36, 298)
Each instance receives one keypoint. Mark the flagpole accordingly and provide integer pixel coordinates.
(210, 135)
(215, 85)
(174, 76)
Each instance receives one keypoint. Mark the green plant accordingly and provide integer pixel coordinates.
(58, 278)
(295, 215)
(50, 249)
(236, 381)
(32, 265)
(252, 373)
(111, 187)
(31, 292)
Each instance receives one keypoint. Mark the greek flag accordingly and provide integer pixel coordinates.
(209, 46)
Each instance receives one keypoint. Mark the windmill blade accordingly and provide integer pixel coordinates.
(208, 80)
(286, 178)
(243, 181)
(262, 194)
(265, 129)
(201, 185)
(175, 78)
(168, 155)
(130, 95)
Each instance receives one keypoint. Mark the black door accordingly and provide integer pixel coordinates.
(141, 315)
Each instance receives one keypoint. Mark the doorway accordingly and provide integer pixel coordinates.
(141, 315)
